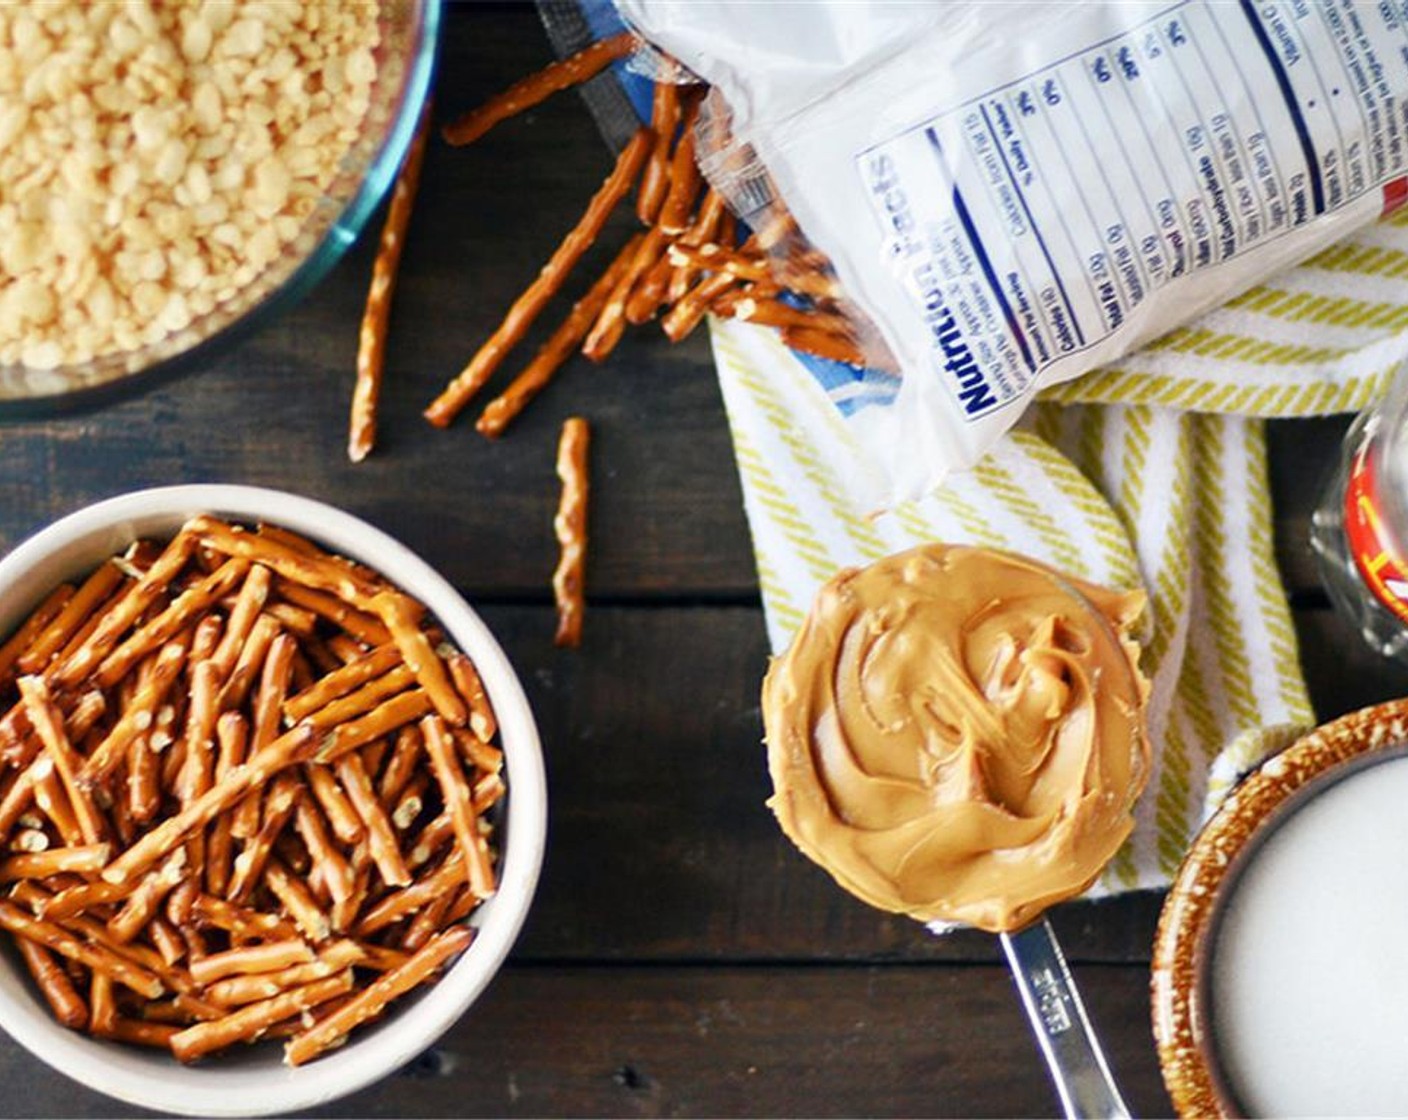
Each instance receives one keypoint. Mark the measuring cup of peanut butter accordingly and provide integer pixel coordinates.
(958, 734)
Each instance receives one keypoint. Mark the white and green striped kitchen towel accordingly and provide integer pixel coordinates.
(1151, 474)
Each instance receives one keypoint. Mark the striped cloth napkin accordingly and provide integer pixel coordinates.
(1151, 473)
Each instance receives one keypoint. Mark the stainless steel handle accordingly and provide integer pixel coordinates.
(1062, 1030)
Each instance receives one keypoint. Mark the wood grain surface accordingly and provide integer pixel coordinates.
(681, 959)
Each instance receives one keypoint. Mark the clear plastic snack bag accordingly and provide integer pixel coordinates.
(1015, 193)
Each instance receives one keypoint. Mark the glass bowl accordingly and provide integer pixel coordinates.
(405, 54)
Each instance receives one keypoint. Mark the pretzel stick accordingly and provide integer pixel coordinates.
(427, 922)
(143, 594)
(371, 344)
(53, 984)
(345, 821)
(75, 900)
(253, 594)
(269, 957)
(97, 588)
(771, 312)
(689, 312)
(558, 348)
(316, 570)
(684, 175)
(53, 802)
(88, 859)
(232, 733)
(606, 332)
(385, 718)
(364, 700)
(143, 902)
(98, 958)
(484, 757)
(197, 772)
(138, 718)
(570, 524)
(327, 860)
(240, 922)
(838, 348)
(526, 308)
(537, 88)
(655, 179)
(141, 1033)
(401, 764)
(18, 798)
(296, 899)
(285, 751)
(370, 1002)
(345, 910)
(48, 724)
(342, 681)
(166, 940)
(361, 625)
(445, 761)
(644, 301)
(190, 604)
(345, 648)
(235, 991)
(30, 630)
(398, 904)
(432, 838)
(252, 654)
(103, 1005)
(460, 909)
(705, 225)
(379, 958)
(295, 619)
(381, 837)
(250, 1023)
(279, 806)
(465, 676)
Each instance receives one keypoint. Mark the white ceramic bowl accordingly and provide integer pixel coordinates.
(253, 1080)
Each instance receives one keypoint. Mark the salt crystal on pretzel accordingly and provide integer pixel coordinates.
(99, 958)
(526, 308)
(250, 1022)
(445, 761)
(382, 845)
(95, 590)
(29, 839)
(558, 348)
(370, 1002)
(570, 525)
(53, 984)
(535, 88)
(371, 340)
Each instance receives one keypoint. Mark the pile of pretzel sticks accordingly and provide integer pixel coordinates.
(685, 263)
(244, 794)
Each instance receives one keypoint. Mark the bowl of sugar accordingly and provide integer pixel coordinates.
(1279, 985)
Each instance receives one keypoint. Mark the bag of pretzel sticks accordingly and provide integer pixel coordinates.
(1013, 194)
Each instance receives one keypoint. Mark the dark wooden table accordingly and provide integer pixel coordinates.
(681, 957)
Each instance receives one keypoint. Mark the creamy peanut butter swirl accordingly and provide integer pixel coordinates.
(959, 734)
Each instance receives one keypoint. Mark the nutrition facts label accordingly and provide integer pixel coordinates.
(1030, 222)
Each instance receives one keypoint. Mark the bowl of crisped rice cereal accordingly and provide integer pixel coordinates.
(173, 172)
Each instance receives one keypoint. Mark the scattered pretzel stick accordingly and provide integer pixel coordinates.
(610, 325)
(53, 983)
(537, 88)
(655, 179)
(558, 348)
(371, 345)
(373, 1000)
(570, 524)
(526, 308)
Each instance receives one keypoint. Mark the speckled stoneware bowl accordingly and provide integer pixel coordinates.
(1181, 983)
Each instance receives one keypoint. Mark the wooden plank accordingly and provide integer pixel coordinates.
(768, 1041)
